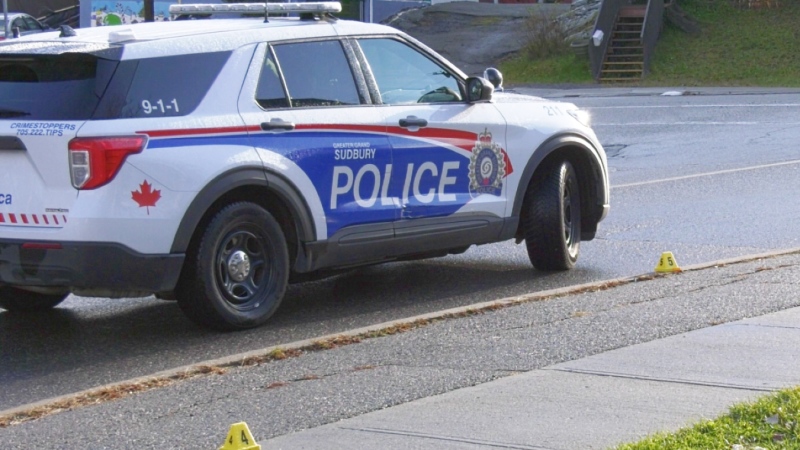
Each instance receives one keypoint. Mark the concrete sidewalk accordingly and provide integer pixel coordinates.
(595, 402)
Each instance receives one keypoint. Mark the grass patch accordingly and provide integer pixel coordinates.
(769, 423)
(564, 68)
(737, 47)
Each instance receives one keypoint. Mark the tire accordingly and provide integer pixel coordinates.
(237, 274)
(552, 219)
(19, 300)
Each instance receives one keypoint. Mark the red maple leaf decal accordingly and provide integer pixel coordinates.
(146, 196)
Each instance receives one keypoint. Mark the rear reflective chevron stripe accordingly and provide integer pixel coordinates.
(51, 220)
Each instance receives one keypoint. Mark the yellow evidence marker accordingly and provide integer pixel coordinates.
(667, 263)
(240, 438)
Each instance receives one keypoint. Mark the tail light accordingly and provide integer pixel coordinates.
(95, 161)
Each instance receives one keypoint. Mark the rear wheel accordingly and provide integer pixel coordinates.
(237, 275)
(13, 299)
(552, 219)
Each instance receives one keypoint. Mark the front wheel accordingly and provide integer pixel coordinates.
(552, 219)
(18, 300)
(237, 275)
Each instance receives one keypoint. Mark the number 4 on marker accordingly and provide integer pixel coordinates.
(240, 438)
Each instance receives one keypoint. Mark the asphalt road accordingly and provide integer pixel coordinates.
(705, 177)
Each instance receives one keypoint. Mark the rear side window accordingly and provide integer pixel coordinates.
(81, 86)
(316, 74)
(31, 24)
(52, 87)
(161, 87)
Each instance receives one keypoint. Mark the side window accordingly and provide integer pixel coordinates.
(270, 93)
(31, 24)
(316, 74)
(162, 86)
(405, 75)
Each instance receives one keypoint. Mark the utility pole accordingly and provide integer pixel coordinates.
(149, 10)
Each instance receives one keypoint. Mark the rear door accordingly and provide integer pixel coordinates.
(44, 100)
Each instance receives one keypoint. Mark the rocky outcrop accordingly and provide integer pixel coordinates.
(473, 35)
(578, 22)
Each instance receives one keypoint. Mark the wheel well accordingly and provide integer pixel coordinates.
(588, 179)
(262, 196)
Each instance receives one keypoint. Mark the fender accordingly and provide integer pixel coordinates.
(546, 149)
(239, 178)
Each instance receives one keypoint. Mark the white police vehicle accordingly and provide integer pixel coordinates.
(215, 161)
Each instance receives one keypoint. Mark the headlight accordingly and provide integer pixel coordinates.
(581, 116)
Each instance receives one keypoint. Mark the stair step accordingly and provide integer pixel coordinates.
(633, 11)
(619, 51)
(624, 63)
(621, 71)
(622, 55)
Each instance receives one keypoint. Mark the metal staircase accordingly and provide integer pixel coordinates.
(624, 58)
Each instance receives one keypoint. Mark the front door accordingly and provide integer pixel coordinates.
(449, 155)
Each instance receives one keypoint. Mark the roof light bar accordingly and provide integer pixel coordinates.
(256, 8)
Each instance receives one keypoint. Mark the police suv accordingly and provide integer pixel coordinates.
(215, 161)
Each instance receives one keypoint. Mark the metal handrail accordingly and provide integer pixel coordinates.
(651, 29)
(606, 18)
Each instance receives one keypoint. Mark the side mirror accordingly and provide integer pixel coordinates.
(479, 90)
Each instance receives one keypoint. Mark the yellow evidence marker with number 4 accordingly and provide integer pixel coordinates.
(667, 263)
(240, 438)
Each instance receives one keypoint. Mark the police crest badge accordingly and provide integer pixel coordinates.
(487, 166)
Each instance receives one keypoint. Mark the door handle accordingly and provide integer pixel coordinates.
(413, 121)
(277, 124)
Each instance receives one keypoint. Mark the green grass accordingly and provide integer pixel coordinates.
(556, 69)
(769, 423)
(737, 47)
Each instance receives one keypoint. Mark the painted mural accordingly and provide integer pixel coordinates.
(123, 12)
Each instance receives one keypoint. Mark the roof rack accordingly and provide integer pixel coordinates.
(267, 9)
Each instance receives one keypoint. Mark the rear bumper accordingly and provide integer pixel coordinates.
(87, 267)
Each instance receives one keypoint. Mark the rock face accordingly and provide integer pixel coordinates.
(473, 35)
(578, 22)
